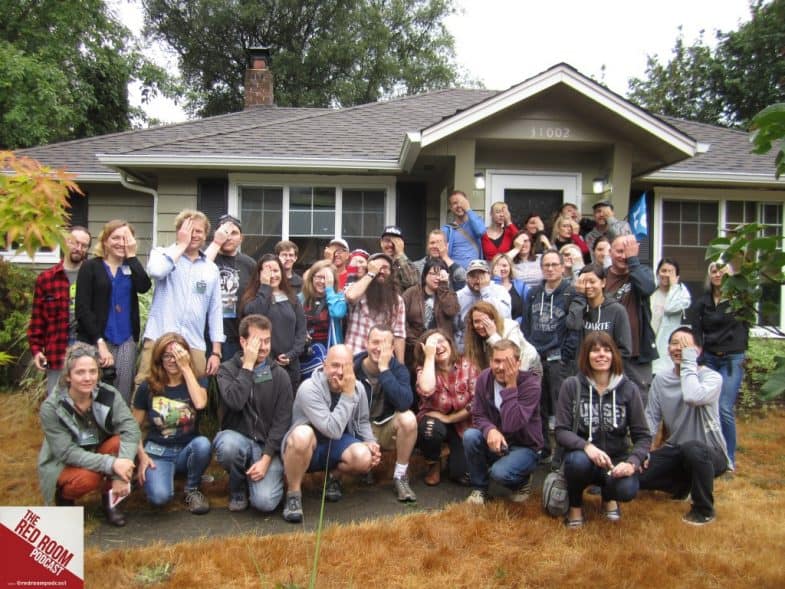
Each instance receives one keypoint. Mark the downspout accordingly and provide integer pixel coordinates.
(125, 182)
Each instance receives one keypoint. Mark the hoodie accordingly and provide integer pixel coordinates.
(610, 317)
(545, 321)
(603, 420)
(395, 389)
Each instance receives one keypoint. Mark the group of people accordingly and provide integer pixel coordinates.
(375, 352)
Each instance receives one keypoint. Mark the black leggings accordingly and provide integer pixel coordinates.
(431, 433)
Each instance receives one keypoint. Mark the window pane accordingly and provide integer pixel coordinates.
(324, 223)
(689, 211)
(273, 224)
(734, 212)
(299, 197)
(670, 234)
(363, 213)
(300, 222)
(352, 224)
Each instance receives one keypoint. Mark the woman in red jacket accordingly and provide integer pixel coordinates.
(498, 237)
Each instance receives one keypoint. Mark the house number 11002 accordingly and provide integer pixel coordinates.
(551, 132)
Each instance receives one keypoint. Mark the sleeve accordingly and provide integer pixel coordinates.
(575, 312)
(653, 410)
(161, 262)
(364, 429)
(317, 411)
(698, 387)
(37, 327)
(336, 303)
(499, 298)
(84, 307)
(260, 304)
(282, 417)
(565, 437)
(63, 447)
(480, 418)
(142, 397)
(396, 385)
(639, 429)
(520, 404)
(476, 225)
(678, 301)
(234, 390)
(621, 332)
(448, 301)
(407, 273)
(139, 278)
(300, 331)
(641, 277)
(215, 317)
(399, 321)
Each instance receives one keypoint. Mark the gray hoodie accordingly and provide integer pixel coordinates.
(610, 317)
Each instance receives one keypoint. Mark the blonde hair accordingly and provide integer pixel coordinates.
(191, 214)
(473, 343)
(309, 293)
(558, 223)
(107, 230)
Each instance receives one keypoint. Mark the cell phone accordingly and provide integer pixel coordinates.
(44, 363)
(504, 449)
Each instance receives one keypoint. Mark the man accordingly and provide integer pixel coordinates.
(437, 248)
(373, 299)
(506, 436)
(606, 224)
(631, 283)
(187, 294)
(338, 251)
(480, 288)
(388, 387)
(464, 232)
(404, 273)
(330, 431)
(235, 270)
(686, 400)
(256, 403)
(52, 321)
(287, 252)
(545, 327)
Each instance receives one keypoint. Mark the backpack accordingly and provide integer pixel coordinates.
(555, 498)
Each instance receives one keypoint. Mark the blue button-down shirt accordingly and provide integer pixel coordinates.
(186, 293)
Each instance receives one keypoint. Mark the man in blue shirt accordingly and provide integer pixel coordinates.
(464, 232)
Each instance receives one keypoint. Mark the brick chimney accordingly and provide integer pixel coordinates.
(258, 78)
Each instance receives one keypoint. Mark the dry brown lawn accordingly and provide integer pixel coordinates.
(500, 545)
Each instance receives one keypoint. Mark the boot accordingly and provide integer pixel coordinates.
(434, 475)
(113, 515)
(61, 501)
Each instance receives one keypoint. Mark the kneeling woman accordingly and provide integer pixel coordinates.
(169, 400)
(597, 410)
(89, 435)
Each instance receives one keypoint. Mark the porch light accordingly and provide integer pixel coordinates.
(479, 181)
(600, 185)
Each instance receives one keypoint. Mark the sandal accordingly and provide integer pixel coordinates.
(612, 515)
(573, 524)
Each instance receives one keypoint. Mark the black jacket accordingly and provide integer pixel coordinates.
(715, 327)
(396, 389)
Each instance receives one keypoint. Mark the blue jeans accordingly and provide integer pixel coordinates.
(236, 453)
(192, 459)
(731, 368)
(581, 472)
(511, 470)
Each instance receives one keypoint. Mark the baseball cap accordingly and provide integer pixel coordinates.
(382, 256)
(359, 252)
(481, 265)
(393, 230)
(602, 203)
(229, 219)
(341, 242)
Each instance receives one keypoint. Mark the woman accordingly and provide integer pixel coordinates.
(501, 270)
(269, 294)
(107, 301)
(601, 251)
(498, 237)
(429, 305)
(445, 385)
(484, 327)
(565, 231)
(324, 308)
(526, 264)
(591, 311)
(669, 305)
(573, 261)
(536, 230)
(357, 267)
(598, 410)
(90, 436)
(724, 340)
(169, 401)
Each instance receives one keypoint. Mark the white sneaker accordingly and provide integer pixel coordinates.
(522, 493)
(477, 497)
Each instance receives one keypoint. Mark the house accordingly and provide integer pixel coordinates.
(309, 174)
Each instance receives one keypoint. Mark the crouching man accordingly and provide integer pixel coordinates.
(256, 410)
(506, 436)
(686, 399)
(331, 430)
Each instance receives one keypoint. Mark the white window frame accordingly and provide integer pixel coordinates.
(721, 197)
(285, 181)
(40, 257)
(496, 181)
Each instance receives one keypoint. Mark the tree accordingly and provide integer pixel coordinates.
(65, 66)
(726, 86)
(324, 52)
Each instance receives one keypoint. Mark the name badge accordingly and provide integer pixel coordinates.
(262, 374)
(201, 287)
(126, 269)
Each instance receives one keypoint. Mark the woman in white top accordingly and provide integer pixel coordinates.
(526, 264)
(669, 305)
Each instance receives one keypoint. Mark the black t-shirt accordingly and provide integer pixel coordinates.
(235, 272)
(172, 416)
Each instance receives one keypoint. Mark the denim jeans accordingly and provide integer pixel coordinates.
(192, 459)
(581, 472)
(236, 453)
(731, 368)
(511, 470)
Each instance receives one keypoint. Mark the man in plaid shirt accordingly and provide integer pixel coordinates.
(374, 300)
(52, 323)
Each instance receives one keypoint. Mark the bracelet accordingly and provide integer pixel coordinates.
(216, 354)
(371, 274)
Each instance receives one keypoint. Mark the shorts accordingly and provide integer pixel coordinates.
(385, 433)
(328, 453)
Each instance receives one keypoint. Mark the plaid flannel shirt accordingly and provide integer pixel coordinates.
(48, 329)
(453, 392)
(361, 320)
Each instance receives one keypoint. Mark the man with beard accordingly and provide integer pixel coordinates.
(52, 323)
(235, 270)
(437, 248)
(373, 299)
(187, 294)
(404, 272)
(480, 288)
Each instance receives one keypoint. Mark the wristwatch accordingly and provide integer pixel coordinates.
(371, 274)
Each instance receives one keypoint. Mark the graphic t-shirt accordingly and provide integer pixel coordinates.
(172, 417)
(71, 274)
(235, 272)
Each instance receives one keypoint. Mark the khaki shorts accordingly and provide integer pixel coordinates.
(385, 433)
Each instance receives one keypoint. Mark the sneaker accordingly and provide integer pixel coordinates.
(293, 508)
(333, 492)
(612, 515)
(196, 502)
(238, 503)
(695, 518)
(546, 457)
(522, 493)
(477, 497)
(403, 490)
(552, 423)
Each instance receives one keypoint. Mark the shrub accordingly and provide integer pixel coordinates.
(759, 364)
(16, 298)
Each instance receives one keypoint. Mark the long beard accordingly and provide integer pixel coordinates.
(382, 297)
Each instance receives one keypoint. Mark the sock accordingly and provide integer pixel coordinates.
(400, 470)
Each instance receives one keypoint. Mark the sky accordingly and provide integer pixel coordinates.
(503, 42)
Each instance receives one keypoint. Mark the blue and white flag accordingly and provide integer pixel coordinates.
(639, 221)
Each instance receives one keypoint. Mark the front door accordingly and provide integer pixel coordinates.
(522, 202)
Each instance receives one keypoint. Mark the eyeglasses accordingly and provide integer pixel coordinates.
(168, 357)
(551, 265)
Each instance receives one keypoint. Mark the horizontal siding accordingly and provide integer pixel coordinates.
(108, 202)
(175, 193)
